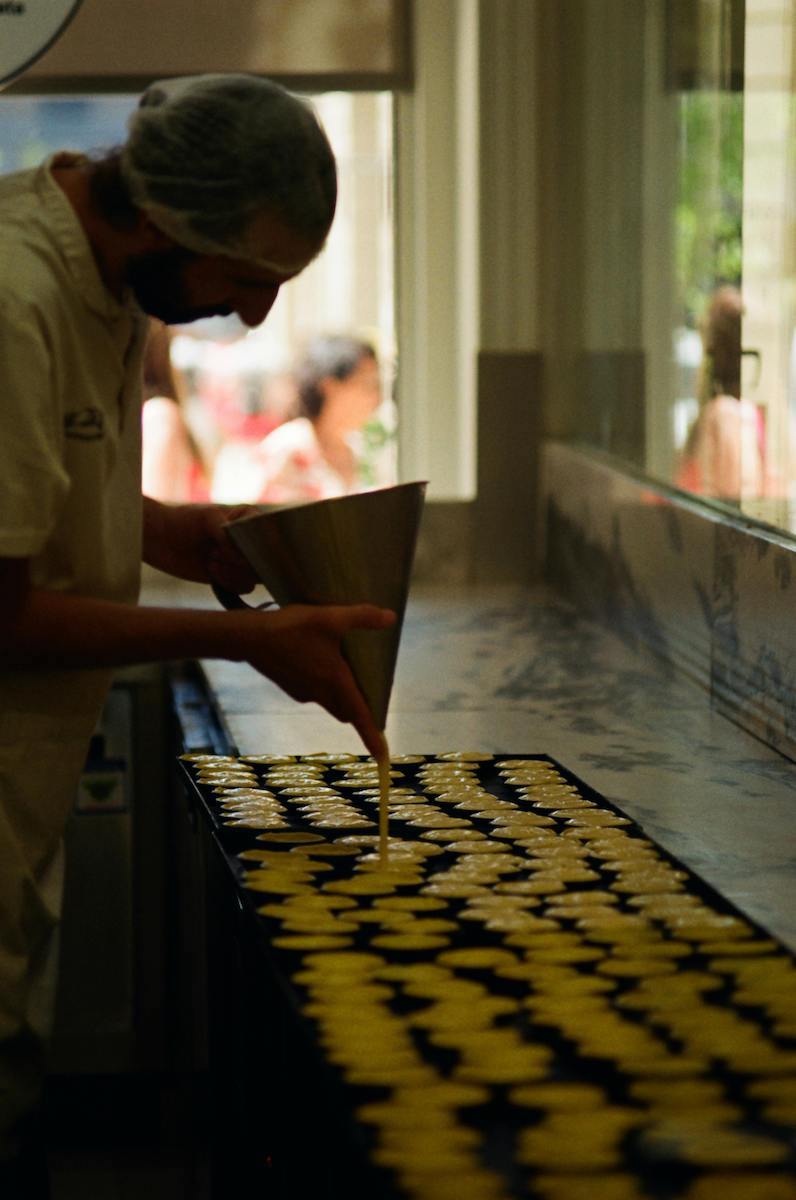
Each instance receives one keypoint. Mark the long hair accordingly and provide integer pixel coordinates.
(160, 378)
(720, 374)
(333, 356)
(110, 194)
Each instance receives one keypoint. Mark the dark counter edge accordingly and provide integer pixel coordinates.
(241, 973)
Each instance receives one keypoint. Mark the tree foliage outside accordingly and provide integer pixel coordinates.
(710, 201)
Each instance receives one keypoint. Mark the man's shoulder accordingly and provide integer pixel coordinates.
(29, 280)
(18, 192)
(18, 204)
(28, 256)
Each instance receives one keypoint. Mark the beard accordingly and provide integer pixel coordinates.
(157, 281)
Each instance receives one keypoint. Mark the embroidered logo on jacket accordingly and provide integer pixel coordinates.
(88, 424)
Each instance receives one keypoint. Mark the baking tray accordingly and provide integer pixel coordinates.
(614, 1028)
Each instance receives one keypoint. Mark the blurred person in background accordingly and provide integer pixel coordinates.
(724, 456)
(315, 455)
(240, 414)
(172, 469)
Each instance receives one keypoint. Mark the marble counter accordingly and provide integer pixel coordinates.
(519, 671)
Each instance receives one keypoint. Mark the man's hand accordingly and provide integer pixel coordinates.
(189, 541)
(299, 648)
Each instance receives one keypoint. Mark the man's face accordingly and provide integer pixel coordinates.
(179, 286)
(156, 279)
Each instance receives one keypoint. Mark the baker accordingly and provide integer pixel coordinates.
(224, 190)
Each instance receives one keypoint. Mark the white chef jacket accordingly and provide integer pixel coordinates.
(70, 501)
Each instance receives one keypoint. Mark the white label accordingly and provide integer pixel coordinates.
(27, 29)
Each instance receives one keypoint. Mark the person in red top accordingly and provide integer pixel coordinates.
(725, 454)
(314, 456)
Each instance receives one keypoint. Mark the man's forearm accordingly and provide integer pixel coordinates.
(191, 542)
(298, 647)
(158, 547)
(53, 629)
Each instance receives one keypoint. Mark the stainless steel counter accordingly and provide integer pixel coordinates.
(519, 671)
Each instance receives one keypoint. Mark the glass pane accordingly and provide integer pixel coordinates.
(734, 242)
(673, 345)
(769, 275)
(34, 127)
(707, 340)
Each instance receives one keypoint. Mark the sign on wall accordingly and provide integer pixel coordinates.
(27, 29)
(128, 43)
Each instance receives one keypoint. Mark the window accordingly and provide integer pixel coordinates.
(236, 384)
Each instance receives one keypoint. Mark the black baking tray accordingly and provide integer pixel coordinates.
(659, 1171)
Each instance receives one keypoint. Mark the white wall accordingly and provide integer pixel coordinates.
(467, 224)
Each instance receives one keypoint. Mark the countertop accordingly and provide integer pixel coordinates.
(510, 670)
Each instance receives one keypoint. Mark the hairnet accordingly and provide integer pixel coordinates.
(208, 153)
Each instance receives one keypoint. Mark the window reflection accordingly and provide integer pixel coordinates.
(708, 254)
(675, 191)
(734, 239)
(724, 456)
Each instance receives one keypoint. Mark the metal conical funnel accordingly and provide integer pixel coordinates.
(352, 550)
